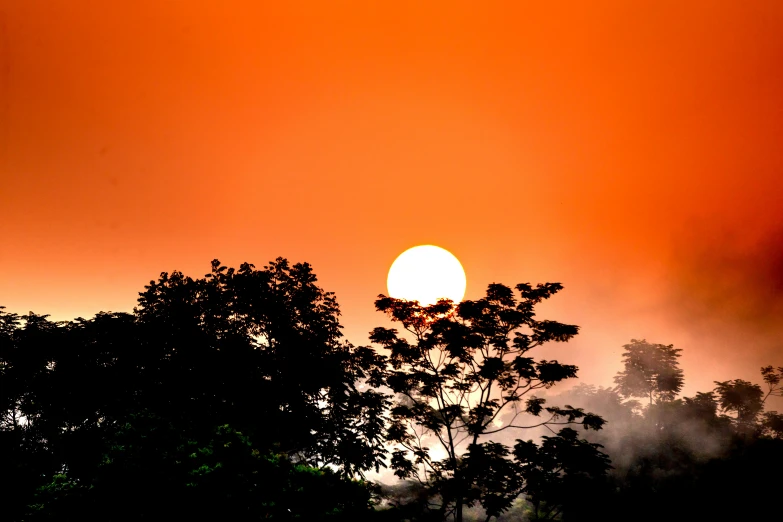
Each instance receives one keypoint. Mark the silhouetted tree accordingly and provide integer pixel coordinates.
(97, 412)
(698, 464)
(262, 350)
(650, 371)
(741, 397)
(563, 473)
(772, 425)
(746, 400)
(772, 377)
(463, 367)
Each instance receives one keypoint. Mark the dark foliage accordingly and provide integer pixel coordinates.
(683, 460)
(138, 411)
(462, 369)
(233, 396)
(650, 371)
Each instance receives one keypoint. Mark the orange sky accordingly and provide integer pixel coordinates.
(631, 150)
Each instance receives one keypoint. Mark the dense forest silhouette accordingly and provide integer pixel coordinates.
(235, 397)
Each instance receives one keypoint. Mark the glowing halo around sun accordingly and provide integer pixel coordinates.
(426, 273)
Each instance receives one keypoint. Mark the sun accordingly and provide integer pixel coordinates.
(426, 273)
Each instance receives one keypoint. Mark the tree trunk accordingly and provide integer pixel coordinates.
(458, 499)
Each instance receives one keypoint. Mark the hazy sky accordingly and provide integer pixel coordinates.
(631, 150)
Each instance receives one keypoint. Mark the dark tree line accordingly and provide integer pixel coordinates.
(230, 394)
(713, 456)
(234, 396)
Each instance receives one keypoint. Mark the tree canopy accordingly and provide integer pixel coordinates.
(248, 358)
(462, 369)
(235, 396)
(650, 371)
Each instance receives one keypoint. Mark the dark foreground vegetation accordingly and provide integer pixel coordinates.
(234, 397)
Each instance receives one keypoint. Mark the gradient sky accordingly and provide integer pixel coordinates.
(631, 150)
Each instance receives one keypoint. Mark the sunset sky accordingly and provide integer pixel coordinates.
(632, 151)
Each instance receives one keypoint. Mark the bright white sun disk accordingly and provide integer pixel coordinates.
(425, 274)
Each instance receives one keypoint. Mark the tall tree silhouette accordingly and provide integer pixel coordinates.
(650, 371)
(262, 350)
(772, 424)
(741, 397)
(746, 400)
(460, 371)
